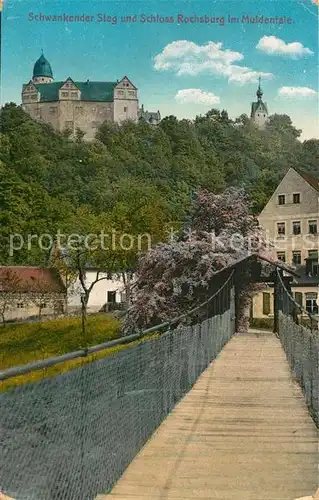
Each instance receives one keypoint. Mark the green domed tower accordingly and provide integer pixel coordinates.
(42, 71)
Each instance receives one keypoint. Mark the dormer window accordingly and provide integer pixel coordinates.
(281, 199)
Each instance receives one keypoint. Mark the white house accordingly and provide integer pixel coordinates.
(106, 294)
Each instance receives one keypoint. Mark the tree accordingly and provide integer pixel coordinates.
(177, 276)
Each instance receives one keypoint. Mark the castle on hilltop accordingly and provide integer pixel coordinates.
(85, 105)
(259, 110)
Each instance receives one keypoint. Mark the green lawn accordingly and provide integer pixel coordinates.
(22, 343)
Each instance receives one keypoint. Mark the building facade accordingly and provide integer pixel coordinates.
(290, 220)
(30, 292)
(259, 110)
(108, 294)
(72, 105)
(150, 117)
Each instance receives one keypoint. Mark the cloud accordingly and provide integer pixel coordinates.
(196, 96)
(187, 58)
(276, 47)
(296, 92)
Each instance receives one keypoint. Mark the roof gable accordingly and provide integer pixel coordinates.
(29, 87)
(125, 79)
(293, 174)
(23, 279)
(69, 84)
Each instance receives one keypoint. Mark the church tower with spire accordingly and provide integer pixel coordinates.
(259, 110)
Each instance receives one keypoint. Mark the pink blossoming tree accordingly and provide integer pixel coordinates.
(176, 276)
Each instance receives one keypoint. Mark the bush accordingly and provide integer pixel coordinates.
(262, 323)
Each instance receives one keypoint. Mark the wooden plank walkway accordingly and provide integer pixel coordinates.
(242, 433)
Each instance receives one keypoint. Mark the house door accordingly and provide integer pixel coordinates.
(111, 297)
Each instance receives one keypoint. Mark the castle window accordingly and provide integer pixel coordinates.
(125, 109)
(20, 305)
(296, 198)
(64, 94)
(74, 94)
(53, 110)
(69, 124)
(33, 97)
(131, 92)
(281, 199)
(95, 124)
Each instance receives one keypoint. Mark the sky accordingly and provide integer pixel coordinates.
(180, 65)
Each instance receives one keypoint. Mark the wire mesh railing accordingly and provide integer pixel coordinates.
(70, 437)
(298, 332)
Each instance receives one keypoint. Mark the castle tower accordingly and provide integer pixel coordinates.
(259, 111)
(42, 71)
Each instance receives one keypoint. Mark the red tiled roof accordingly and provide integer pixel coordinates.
(30, 279)
(311, 180)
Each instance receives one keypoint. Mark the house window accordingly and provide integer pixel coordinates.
(314, 268)
(281, 199)
(298, 298)
(281, 256)
(281, 228)
(311, 302)
(125, 109)
(296, 258)
(296, 227)
(266, 303)
(20, 305)
(312, 227)
(111, 297)
(296, 198)
(312, 254)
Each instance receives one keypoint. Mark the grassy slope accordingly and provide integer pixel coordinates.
(22, 343)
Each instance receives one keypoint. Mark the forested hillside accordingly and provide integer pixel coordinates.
(139, 176)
